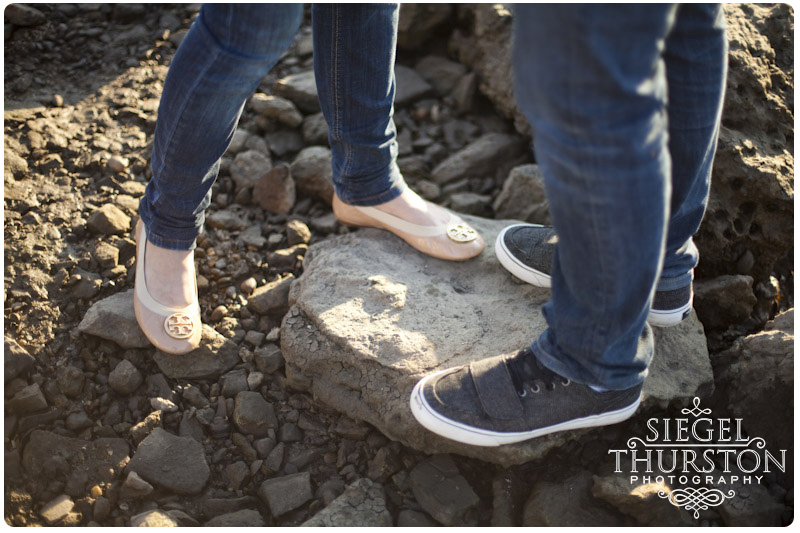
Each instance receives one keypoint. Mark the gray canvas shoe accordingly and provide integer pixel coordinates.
(508, 399)
(527, 250)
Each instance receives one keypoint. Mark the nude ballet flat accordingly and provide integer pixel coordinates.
(174, 330)
(454, 241)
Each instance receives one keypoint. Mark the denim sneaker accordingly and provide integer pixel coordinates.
(527, 250)
(508, 399)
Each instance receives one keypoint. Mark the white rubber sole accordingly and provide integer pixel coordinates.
(657, 318)
(445, 427)
(513, 265)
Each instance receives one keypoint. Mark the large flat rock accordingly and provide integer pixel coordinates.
(370, 316)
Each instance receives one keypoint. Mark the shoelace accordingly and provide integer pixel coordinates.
(528, 374)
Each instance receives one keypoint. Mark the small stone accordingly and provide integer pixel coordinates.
(275, 190)
(226, 219)
(78, 421)
(274, 460)
(253, 415)
(101, 508)
(383, 465)
(409, 518)
(254, 380)
(125, 378)
(57, 508)
(194, 396)
(28, 400)
(268, 358)
(440, 72)
(247, 167)
(442, 491)
(286, 493)
(243, 518)
(248, 285)
(23, 15)
(480, 158)
(137, 485)
(235, 474)
(107, 256)
(117, 163)
(724, 300)
(284, 142)
(297, 232)
(409, 86)
(108, 220)
(218, 313)
(215, 355)
(276, 107)
(177, 464)
(470, 203)
(464, 92)
(286, 258)
(315, 129)
(234, 382)
(313, 174)
(300, 88)
(17, 361)
(264, 446)
(113, 318)
(154, 518)
(141, 430)
(289, 432)
(363, 504)
(254, 338)
(523, 196)
(164, 405)
(272, 298)
(237, 141)
(274, 335)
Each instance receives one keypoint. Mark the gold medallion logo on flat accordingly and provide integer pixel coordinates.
(179, 326)
(461, 232)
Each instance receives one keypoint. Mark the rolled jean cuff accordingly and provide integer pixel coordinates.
(670, 284)
(167, 237)
(546, 353)
(391, 186)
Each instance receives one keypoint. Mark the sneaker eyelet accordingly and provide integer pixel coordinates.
(535, 389)
(523, 394)
(566, 382)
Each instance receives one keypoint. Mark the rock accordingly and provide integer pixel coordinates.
(113, 318)
(480, 158)
(254, 338)
(470, 203)
(194, 396)
(17, 361)
(566, 503)
(409, 518)
(419, 22)
(383, 465)
(284, 142)
(235, 474)
(238, 140)
(277, 108)
(215, 355)
(312, 172)
(243, 518)
(164, 405)
(723, 301)
(523, 196)
(641, 502)
(315, 129)
(286, 259)
(190, 426)
(78, 421)
(464, 92)
(177, 464)
(363, 504)
(234, 382)
(135, 486)
(442, 491)
(284, 494)
(107, 256)
(108, 220)
(297, 232)
(154, 518)
(757, 374)
(28, 400)
(247, 167)
(140, 431)
(22, 15)
(484, 45)
(272, 298)
(51, 456)
(751, 204)
(268, 358)
(252, 237)
(275, 190)
(289, 432)
(125, 378)
(364, 327)
(274, 459)
(58, 508)
(253, 415)
(117, 164)
(409, 86)
(440, 72)
(751, 505)
(226, 219)
(300, 88)
(101, 509)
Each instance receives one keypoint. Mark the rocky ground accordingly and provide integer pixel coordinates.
(101, 429)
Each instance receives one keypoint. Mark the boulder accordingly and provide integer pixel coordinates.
(113, 318)
(523, 196)
(420, 22)
(479, 159)
(300, 88)
(363, 504)
(277, 108)
(312, 172)
(275, 190)
(724, 300)
(370, 316)
(16, 360)
(247, 167)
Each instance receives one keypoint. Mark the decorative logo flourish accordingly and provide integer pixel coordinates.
(695, 411)
(696, 499)
(461, 233)
(179, 326)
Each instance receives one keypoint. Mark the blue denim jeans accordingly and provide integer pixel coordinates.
(625, 104)
(219, 64)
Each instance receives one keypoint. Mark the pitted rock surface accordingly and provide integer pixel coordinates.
(370, 316)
